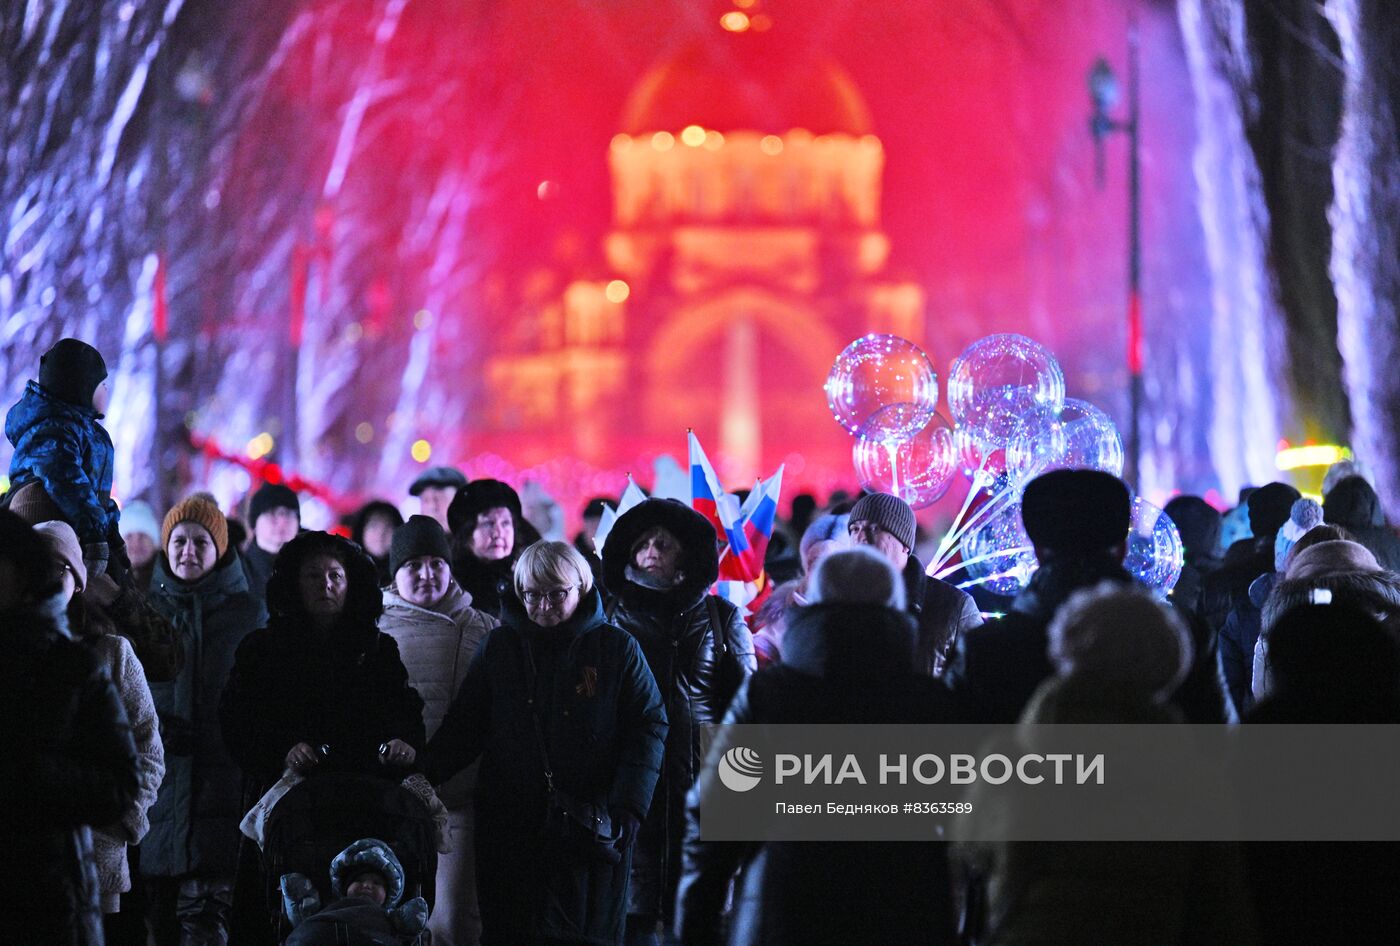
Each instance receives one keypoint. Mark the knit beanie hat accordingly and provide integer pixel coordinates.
(1306, 514)
(888, 512)
(272, 496)
(202, 513)
(1270, 506)
(62, 543)
(438, 476)
(1076, 511)
(481, 496)
(858, 575)
(72, 370)
(1332, 558)
(419, 536)
(32, 503)
(139, 517)
(828, 528)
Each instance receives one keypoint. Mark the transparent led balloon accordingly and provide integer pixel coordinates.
(1155, 554)
(1091, 440)
(918, 470)
(1000, 379)
(882, 388)
(997, 554)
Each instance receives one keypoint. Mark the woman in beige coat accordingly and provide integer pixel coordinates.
(109, 844)
(438, 631)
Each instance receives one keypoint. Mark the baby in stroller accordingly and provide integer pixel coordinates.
(368, 882)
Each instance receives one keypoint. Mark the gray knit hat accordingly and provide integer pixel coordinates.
(888, 512)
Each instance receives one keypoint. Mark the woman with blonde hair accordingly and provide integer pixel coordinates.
(568, 723)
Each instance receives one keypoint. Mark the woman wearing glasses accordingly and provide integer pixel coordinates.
(569, 726)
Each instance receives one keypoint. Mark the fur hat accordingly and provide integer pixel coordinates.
(480, 496)
(828, 528)
(1076, 511)
(62, 543)
(272, 496)
(202, 513)
(438, 476)
(139, 517)
(888, 512)
(1269, 507)
(71, 370)
(858, 575)
(1121, 638)
(419, 536)
(1332, 558)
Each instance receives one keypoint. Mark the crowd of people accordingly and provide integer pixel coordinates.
(171, 675)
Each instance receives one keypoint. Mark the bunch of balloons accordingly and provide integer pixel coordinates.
(1010, 422)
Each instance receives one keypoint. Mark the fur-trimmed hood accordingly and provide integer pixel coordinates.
(363, 601)
(699, 552)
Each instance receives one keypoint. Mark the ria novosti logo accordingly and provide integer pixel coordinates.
(740, 769)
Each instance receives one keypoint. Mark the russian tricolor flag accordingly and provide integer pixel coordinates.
(705, 491)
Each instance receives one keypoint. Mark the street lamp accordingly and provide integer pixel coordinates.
(1103, 92)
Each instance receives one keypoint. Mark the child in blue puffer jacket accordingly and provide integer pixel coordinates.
(62, 465)
(368, 882)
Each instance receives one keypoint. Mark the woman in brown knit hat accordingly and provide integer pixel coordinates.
(190, 854)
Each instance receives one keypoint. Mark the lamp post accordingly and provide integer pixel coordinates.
(1103, 91)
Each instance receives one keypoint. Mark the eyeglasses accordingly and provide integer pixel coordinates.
(555, 597)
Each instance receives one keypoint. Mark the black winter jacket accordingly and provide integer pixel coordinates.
(697, 668)
(71, 763)
(841, 664)
(997, 667)
(604, 728)
(194, 822)
(345, 688)
(1354, 505)
(942, 612)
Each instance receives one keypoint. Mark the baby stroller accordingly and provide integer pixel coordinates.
(320, 817)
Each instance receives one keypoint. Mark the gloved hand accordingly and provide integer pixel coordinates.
(95, 557)
(627, 825)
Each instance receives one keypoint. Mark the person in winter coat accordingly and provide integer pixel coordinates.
(658, 564)
(488, 534)
(1329, 663)
(319, 688)
(189, 857)
(1353, 504)
(1241, 630)
(1077, 521)
(1118, 656)
(435, 489)
(368, 883)
(1198, 522)
(1337, 572)
(71, 763)
(562, 710)
(849, 658)
(942, 612)
(109, 842)
(438, 633)
(373, 528)
(1269, 507)
(63, 456)
(274, 512)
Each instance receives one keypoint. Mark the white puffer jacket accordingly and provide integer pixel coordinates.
(437, 645)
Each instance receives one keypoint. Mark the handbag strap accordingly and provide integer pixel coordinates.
(534, 712)
(721, 630)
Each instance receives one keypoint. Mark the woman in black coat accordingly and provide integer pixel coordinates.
(659, 562)
(71, 759)
(555, 699)
(847, 658)
(318, 689)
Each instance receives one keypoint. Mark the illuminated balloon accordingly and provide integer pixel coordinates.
(1155, 553)
(997, 553)
(1081, 437)
(1035, 445)
(924, 465)
(882, 388)
(999, 380)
